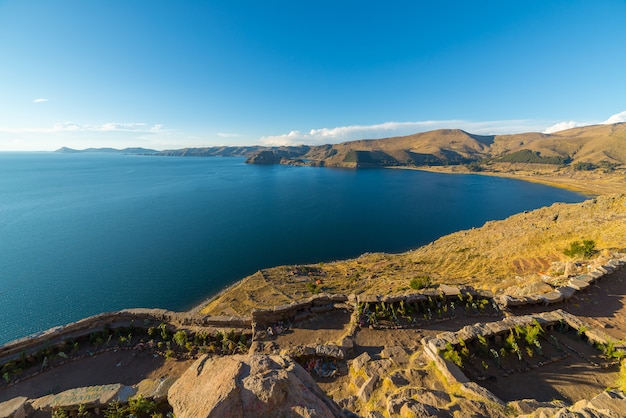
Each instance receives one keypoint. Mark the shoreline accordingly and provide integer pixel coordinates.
(197, 309)
(610, 183)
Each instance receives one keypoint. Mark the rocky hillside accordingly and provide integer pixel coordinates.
(244, 151)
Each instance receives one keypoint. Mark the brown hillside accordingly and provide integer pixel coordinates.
(452, 147)
(444, 145)
(587, 144)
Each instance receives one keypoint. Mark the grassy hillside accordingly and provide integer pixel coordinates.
(602, 145)
(590, 143)
(440, 147)
(516, 251)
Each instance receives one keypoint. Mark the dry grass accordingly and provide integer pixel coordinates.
(496, 256)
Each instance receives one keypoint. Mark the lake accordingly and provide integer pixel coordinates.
(82, 234)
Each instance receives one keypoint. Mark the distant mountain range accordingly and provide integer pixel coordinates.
(587, 147)
(142, 151)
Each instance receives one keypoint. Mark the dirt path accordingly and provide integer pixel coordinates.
(125, 367)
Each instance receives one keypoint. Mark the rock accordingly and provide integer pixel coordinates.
(413, 408)
(368, 298)
(368, 387)
(330, 350)
(360, 361)
(578, 284)
(585, 277)
(449, 290)
(125, 393)
(473, 408)
(552, 297)
(396, 353)
(300, 351)
(595, 274)
(392, 299)
(14, 408)
(71, 399)
(613, 401)
(154, 388)
(434, 398)
(416, 377)
(264, 157)
(570, 269)
(249, 386)
(394, 405)
(358, 381)
(477, 390)
(398, 379)
(528, 406)
(347, 403)
(566, 292)
(378, 368)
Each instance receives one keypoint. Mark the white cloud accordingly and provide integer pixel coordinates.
(105, 127)
(108, 127)
(561, 126)
(617, 118)
(40, 100)
(389, 129)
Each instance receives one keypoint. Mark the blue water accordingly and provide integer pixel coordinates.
(82, 234)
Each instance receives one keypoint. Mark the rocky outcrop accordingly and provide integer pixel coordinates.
(251, 386)
(90, 397)
(14, 408)
(608, 404)
(265, 157)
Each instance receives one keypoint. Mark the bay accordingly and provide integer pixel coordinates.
(82, 234)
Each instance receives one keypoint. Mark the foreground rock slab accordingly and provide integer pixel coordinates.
(253, 385)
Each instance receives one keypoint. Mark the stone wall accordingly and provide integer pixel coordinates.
(572, 285)
(141, 318)
(434, 346)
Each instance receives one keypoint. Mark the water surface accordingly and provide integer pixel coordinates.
(82, 234)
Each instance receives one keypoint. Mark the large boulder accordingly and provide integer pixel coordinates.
(254, 385)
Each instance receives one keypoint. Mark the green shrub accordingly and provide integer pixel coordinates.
(420, 282)
(621, 381)
(180, 338)
(584, 166)
(60, 413)
(313, 288)
(451, 354)
(533, 157)
(585, 249)
(116, 410)
(141, 407)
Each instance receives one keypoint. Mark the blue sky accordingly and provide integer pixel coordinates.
(173, 74)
